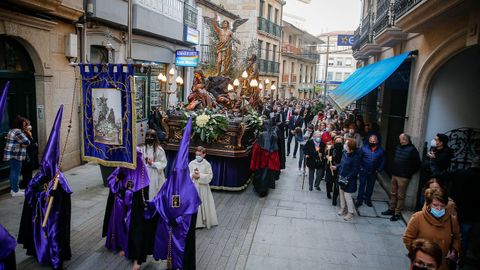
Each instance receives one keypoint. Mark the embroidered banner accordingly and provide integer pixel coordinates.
(108, 115)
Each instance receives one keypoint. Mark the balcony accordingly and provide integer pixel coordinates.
(385, 32)
(306, 54)
(269, 28)
(417, 16)
(285, 78)
(71, 9)
(269, 67)
(365, 46)
(290, 49)
(190, 14)
(293, 78)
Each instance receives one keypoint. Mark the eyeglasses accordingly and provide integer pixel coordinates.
(420, 265)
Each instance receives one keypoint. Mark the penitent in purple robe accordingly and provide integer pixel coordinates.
(7, 249)
(176, 220)
(50, 245)
(3, 99)
(125, 226)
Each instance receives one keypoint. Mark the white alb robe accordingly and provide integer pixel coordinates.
(207, 215)
(156, 170)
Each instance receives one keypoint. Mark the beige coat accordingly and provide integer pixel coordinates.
(207, 215)
(424, 225)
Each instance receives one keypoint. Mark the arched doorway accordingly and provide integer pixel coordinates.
(17, 67)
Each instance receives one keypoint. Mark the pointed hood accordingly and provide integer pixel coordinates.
(179, 183)
(51, 154)
(3, 99)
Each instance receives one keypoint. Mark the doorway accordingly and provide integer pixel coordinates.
(16, 66)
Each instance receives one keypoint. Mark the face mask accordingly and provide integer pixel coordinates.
(149, 140)
(433, 143)
(372, 144)
(345, 147)
(338, 145)
(199, 158)
(28, 128)
(415, 267)
(318, 140)
(327, 129)
(437, 213)
(272, 114)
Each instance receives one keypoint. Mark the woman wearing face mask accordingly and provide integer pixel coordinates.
(201, 174)
(436, 224)
(156, 161)
(334, 158)
(349, 169)
(314, 154)
(302, 138)
(31, 160)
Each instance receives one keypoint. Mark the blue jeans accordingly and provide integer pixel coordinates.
(367, 183)
(15, 169)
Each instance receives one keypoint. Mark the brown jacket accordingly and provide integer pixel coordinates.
(424, 225)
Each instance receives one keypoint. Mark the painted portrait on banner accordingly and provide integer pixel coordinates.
(107, 116)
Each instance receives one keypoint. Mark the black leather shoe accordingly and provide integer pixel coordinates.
(318, 188)
(294, 157)
(388, 212)
(369, 203)
(395, 218)
(358, 204)
(329, 195)
(310, 189)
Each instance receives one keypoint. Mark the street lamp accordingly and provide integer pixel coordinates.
(236, 84)
(168, 90)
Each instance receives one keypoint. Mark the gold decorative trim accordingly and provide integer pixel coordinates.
(233, 188)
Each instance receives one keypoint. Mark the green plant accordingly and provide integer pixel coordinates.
(208, 126)
(254, 121)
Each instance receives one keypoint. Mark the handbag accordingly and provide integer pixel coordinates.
(342, 181)
(452, 264)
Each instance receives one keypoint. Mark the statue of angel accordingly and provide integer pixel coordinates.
(226, 39)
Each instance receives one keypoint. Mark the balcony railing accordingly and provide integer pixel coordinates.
(190, 14)
(289, 48)
(293, 78)
(269, 27)
(403, 6)
(207, 55)
(384, 17)
(363, 34)
(267, 66)
(285, 78)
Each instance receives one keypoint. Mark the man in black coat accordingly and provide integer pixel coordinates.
(464, 191)
(405, 164)
(440, 157)
(295, 121)
(314, 154)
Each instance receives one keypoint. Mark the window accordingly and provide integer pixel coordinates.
(289, 39)
(267, 51)
(301, 74)
(260, 45)
(276, 15)
(348, 62)
(330, 76)
(269, 12)
(338, 76)
(346, 75)
(149, 93)
(99, 54)
(260, 12)
(331, 61)
(340, 62)
(274, 53)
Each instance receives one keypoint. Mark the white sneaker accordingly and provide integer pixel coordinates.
(300, 172)
(22, 191)
(16, 194)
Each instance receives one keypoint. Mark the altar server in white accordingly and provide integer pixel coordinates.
(201, 174)
(156, 161)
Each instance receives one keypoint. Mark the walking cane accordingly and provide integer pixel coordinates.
(304, 173)
(50, 200)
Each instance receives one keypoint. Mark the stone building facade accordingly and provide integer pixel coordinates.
(38, 40)
(433, 91)
(298, 63)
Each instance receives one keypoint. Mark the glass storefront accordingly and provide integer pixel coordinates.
(149, 92)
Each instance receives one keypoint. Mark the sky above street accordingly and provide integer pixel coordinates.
(322, 16)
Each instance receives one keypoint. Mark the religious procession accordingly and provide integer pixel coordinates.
(227, 134)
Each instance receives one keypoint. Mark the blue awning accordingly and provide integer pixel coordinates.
(365, 80)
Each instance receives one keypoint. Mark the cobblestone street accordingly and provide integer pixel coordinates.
(291, 228)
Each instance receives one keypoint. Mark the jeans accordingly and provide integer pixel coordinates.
(15, 169)
(397, 193)
(367, 183)
(346, 201)
(465, 230)
(315, 173)
(301, 158)
(289, 142)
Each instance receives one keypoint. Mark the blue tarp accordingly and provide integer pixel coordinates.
(365, 80)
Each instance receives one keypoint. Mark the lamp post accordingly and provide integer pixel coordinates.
(236, 84)
(168, 90)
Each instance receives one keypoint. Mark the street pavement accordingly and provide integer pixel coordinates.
(290, 228)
